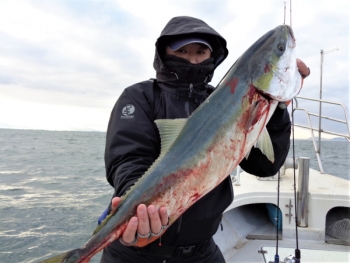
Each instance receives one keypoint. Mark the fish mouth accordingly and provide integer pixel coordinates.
(291, 33)
(291, 40)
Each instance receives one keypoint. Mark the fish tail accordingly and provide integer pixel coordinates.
(72, 256)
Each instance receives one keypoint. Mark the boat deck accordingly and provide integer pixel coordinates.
(247, 228)
(251, 252)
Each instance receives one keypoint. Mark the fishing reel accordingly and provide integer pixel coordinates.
(289, 259)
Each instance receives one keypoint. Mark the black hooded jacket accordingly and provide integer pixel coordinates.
(133, 141)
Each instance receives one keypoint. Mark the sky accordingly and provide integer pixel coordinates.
(64, 63)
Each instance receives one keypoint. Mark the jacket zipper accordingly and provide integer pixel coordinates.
(187, 103)
(191, 90)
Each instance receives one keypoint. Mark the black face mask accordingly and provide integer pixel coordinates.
(197, 74)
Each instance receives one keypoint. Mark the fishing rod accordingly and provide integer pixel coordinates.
(290, 13)
(297, 250)
(284, 20)
(277, 257)
(297, 254)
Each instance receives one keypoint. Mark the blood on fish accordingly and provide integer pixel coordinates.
(195, 197)
(251, 92)
(267, 68)
(254, 120)
(233, 84)
(183, 175)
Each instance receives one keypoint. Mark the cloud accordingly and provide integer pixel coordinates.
(78, 56)
(26, 115)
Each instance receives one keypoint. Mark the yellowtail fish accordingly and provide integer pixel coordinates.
(200, 152)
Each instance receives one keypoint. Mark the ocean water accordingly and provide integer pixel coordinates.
(53, 189)
(335, 156)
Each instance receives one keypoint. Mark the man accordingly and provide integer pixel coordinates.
(187, 53)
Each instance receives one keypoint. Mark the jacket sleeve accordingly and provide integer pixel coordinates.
(132, 141)
(279, 128)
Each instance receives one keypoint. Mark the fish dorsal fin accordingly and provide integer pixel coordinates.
(169, 131)
(265, 145)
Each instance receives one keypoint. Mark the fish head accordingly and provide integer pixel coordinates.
(272, 67)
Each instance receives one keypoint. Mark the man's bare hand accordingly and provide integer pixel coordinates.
(147, 220)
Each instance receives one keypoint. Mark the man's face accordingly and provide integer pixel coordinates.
(195, 53)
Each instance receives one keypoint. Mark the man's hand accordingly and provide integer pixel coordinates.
(148, 224)
(303, 69)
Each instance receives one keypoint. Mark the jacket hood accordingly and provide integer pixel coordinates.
(185, 25)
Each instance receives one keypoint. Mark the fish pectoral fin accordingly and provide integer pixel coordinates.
(265, 145)
(169, 131)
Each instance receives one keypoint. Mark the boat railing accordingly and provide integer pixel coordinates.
(319, 129)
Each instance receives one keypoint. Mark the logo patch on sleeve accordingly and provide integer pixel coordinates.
(127, 112)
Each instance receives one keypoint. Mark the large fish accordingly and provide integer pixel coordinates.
(199, 152)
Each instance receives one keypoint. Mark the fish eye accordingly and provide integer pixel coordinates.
(280, 47)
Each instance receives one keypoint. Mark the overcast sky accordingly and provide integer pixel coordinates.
(64, 63)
